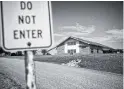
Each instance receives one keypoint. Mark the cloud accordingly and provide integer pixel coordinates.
(68, 27)
(67, 34)
(97, 39)
(85, 29)
(74, 34)
(57, 34)
(115, 31)
(116, 34)
(79, 28)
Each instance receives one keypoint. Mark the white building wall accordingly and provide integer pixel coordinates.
(77, 47)
(68, 47)
(65, 47)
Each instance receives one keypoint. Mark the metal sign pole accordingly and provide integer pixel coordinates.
(29, 70)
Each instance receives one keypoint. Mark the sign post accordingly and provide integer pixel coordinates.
(29, 70)
(26, 26)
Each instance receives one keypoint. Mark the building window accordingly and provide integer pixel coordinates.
(91, 50)
(72, 51)
(68, 51)
(97, 50)
(71, 43)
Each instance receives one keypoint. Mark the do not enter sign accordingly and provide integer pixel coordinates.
(26, 24)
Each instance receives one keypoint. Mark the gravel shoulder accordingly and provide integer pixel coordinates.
(8, 83)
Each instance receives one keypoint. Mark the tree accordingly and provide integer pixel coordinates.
(4, 52)
(1, 50)
(34, 52)
(44, 51)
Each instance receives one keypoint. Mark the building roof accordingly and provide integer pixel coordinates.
(84, 41)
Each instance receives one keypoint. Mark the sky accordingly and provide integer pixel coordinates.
(100, 22)
(97, 21)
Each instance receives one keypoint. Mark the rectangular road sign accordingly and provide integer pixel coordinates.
(26, 25)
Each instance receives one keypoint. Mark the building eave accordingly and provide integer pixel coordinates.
(84, 41)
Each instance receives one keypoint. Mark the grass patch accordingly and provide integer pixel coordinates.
(103, 62)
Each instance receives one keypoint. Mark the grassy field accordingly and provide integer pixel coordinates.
(103, 62)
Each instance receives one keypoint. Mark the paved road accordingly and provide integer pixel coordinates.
(54, 76)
